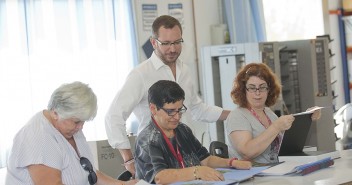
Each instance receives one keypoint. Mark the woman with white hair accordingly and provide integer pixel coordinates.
(52, 149)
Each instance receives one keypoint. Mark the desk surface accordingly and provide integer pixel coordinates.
(340, 172)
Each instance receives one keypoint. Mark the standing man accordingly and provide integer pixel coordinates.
(133, 96)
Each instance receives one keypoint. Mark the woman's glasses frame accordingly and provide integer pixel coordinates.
(254, 89)
(173, 112)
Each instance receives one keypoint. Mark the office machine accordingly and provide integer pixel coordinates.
(107, 159)
(305, 76)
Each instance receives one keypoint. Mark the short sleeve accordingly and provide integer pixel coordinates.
(37, 147)
(237, 120)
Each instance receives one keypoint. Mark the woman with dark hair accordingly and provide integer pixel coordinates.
(166, 150)
(253, 131)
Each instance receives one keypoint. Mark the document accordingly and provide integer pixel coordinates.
(231, 176)
(308, 112)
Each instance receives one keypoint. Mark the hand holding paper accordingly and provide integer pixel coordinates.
(309, 111)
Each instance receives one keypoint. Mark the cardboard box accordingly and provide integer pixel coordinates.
(107, 159)
(347, 5)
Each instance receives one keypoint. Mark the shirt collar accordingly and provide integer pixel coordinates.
(157, 63)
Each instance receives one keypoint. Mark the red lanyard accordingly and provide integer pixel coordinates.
(176, 153)
(256, 115)
(277, 139)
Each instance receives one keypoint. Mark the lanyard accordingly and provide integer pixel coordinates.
(256, 116)
(277, 139)
(176, 153)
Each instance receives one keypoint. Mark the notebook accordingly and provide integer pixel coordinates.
(295, 138)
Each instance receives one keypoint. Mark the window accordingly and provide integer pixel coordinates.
(45, 43)
(293, 19)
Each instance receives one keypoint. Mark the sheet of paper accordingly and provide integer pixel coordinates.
(281, 169)
(308, 112)
(226, 182)
(240, 175)
(231, 176)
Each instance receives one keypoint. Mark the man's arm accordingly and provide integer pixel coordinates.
(128, 159)
(121, 108)
(224, 115)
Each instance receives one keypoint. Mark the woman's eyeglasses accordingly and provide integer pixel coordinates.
(92, 177)
(173, 112)
(260, 89)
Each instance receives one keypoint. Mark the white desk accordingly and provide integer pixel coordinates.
(340, 172)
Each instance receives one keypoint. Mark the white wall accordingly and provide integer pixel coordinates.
(206, 14)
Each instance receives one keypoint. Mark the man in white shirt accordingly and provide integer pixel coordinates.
(133, 96)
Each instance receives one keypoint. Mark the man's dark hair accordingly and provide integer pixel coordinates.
(165, 91)
(165, 21)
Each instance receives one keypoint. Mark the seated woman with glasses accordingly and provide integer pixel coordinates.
(253, 131)
(51, 147)
(166, 150)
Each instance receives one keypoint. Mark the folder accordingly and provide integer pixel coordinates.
(231, 176)
(296, 168)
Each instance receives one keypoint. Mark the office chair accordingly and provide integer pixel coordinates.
(219, 149)
(124, 176)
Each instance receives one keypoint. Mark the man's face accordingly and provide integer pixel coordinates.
(168, 45)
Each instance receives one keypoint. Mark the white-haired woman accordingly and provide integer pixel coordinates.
(51, 148)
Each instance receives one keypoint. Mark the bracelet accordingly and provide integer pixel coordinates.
(195, 173)
(232, 159)
(130, 161)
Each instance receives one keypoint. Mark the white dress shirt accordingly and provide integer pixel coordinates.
(133, 97)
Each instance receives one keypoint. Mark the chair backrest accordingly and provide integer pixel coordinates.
(219, 149)
(124, 176)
